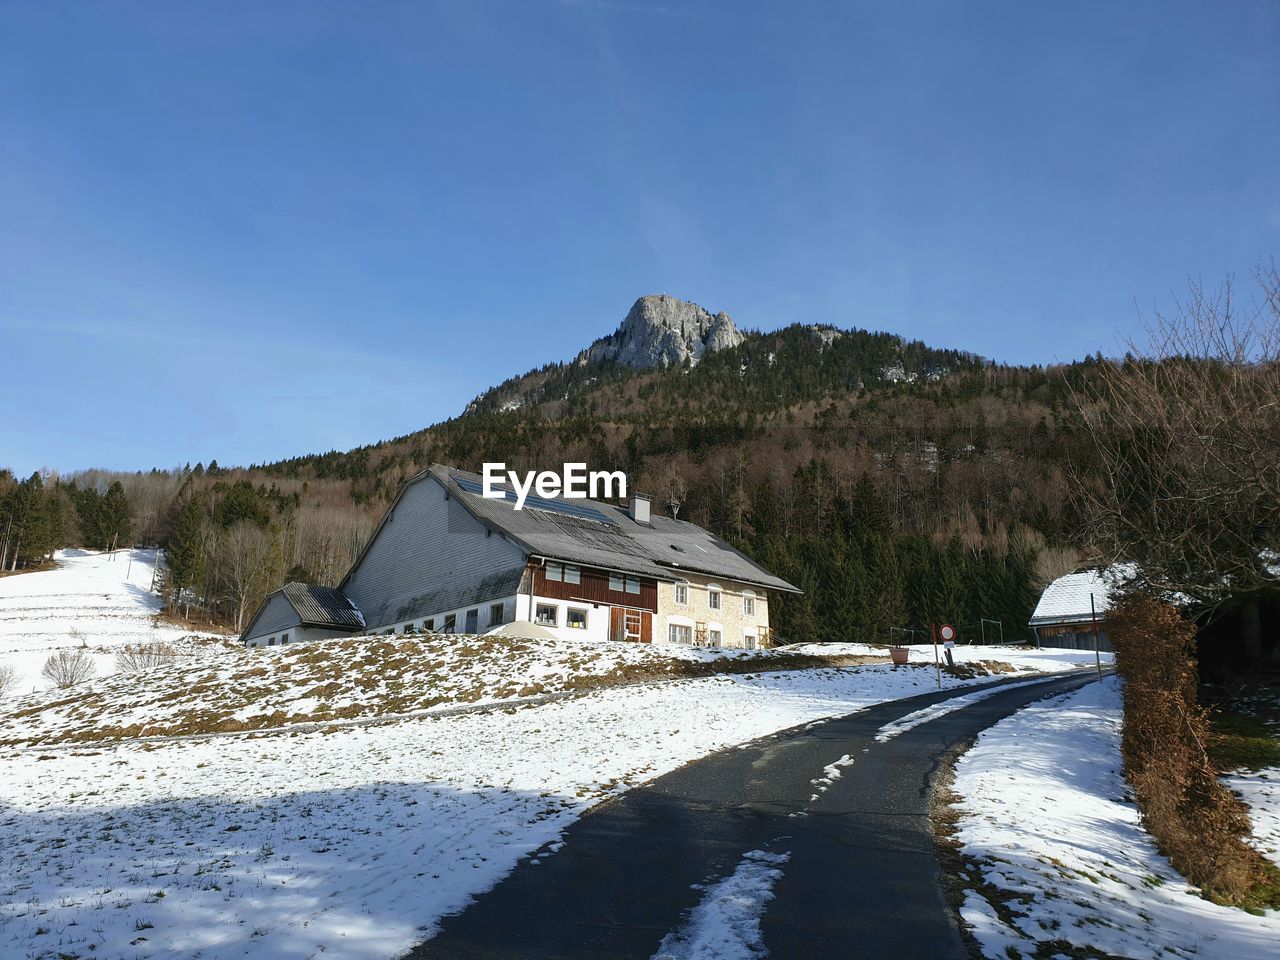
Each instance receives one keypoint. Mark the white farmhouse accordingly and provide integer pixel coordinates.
(446, 559)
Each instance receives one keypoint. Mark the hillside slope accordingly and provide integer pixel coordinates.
(897, 484)
(99, 601)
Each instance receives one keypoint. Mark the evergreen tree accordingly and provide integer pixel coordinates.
(25, 515)
(116, 519)
(241, 503)
(185, 550)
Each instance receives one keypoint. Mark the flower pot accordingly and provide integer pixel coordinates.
(899, 654)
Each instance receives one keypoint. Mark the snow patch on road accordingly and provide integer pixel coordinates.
(1058, 852)
(830, 774)
(726, 924)
(913, 720)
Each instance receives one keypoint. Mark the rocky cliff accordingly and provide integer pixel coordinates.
(663, 331)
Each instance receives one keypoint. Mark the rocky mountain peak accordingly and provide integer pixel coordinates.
(661, 331)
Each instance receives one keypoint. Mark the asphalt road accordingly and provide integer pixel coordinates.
(863, 878)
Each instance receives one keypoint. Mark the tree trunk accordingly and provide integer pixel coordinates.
(1251, 629)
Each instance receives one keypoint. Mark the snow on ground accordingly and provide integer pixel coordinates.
(1018, 657)
(95, 600)
(361, 678)
(725, 925)
(1260, 791)
(352, 841)
(1061, 857)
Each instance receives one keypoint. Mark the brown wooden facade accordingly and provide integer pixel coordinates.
(594, 588)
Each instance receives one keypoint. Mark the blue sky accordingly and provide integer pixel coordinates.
(251, 230)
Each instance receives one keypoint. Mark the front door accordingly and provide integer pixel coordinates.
(635, 626)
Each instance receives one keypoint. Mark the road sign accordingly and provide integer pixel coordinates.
(947, 632)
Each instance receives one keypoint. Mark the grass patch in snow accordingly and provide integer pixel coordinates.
(1243, 742)
(366, 678)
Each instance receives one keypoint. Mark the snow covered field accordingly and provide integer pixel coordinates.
(1021, 658)
(352, 842)
(95, 600)
(1046, 815)
(362, 678)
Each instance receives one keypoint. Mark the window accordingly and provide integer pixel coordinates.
(714, 639)
(497, 614)
(407, 628)
(473, 621)
(749, 641)
(713, 598)
(679, 633)
(633, 585)
(546, 615)
(748, 604)
(682, 594)
(284, 638)
(271, 642)
(575, 618)
(450, 622)
(572, 574)
(615, 582)
(429, 623)
(555, 571)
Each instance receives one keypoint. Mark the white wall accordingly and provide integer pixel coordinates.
(297, 634)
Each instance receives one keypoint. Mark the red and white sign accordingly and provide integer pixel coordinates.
(947, 632)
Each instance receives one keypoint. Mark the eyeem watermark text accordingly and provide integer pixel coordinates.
(574, 482)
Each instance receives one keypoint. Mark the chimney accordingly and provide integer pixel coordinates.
(640, 506)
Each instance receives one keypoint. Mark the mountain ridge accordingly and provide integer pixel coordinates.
(662, 332)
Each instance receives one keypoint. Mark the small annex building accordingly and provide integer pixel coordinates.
(303, 611)
(1064, 616)
(446, 559)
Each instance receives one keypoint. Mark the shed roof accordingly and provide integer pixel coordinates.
(594, 533)
(322, 606)
(1066, 600)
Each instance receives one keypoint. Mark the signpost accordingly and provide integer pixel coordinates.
(948, 634)
(1097, 654)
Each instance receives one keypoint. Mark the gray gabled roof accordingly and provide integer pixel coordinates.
(599, 534)
(322, 606)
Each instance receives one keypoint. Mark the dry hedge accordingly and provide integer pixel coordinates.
(1199, 824)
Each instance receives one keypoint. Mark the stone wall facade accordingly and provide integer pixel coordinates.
(736, 627)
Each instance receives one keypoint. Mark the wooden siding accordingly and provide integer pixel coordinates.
(594, 588)
(427, 543)
(633, 625)
(277, 615)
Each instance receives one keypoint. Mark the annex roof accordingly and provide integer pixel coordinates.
(322, 606)
(594, 533)
(1066, 600)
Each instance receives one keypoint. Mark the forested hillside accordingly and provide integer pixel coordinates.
(897, 484)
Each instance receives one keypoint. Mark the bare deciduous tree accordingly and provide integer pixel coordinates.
(66, 668)
(8, 680)
(1186, 434)
(248, 556)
